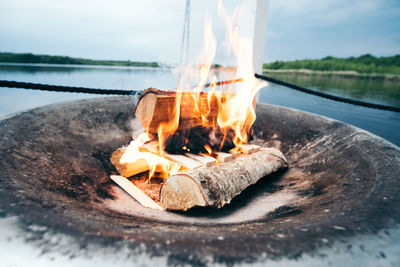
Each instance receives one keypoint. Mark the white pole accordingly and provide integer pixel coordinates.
(259, 35)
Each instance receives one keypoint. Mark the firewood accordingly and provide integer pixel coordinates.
(187, 162)
(155, 107)
(135, 192)
(128, 169)
(223, 157)
(197, 125)
(197, 138)
(219, 184)
(248, 148)
(206, 160)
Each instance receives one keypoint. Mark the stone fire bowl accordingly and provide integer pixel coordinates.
(336, 203)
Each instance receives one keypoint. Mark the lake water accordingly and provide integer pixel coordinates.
(372, 89)
(383, 123)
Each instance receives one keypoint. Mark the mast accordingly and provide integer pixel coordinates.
(259, 35)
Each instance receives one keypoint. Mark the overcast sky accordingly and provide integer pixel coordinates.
(150, 30)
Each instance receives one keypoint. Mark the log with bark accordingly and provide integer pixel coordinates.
(219, 184)
(206, 186)
(203, 182)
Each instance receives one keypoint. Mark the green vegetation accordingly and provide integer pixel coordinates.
(364, 64)
(31, 58)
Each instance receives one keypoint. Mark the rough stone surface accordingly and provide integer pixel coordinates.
(54, 178)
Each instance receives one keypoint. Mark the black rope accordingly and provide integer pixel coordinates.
(70, 89)
(331, 97)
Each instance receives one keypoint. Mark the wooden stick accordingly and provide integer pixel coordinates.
(184, 161)
(248, 148)
(140, 165)
(128, 169)
(233, 153)
(205, 160)
(223, 157)
(135, 192)
(217, 185)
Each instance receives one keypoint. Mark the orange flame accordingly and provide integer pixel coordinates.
(234, 102)
(208, 149)
(150, 161)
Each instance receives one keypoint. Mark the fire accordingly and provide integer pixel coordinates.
(208, 149)
(234, 102)
(147, 160)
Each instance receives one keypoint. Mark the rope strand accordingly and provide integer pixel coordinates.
(328, 96)
(71, 89)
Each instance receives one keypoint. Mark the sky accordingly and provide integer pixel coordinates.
(151, 30)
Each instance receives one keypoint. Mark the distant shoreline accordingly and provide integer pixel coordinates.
(51, 65)
(365, 66)
(29, 58)
(343, 73)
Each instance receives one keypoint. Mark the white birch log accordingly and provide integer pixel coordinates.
(218, 185)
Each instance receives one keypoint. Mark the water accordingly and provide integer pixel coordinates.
(372, 89)
(383, 123)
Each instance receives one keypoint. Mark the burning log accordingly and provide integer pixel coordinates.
(203, 185)
(180, 125)
(140, 164)
(196, 123)
(127, 169)
(155, 107)
(219, 184)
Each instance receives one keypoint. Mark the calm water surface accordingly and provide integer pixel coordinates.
(370, 89)
(383, 123)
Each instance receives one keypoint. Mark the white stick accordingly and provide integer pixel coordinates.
(249, 148)
(233, 153)
(224, 157)
(135, 192)
(184, 161)
(206, 160)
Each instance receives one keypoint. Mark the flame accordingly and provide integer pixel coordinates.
(208, 149)
(234, 101)
(155, 163)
